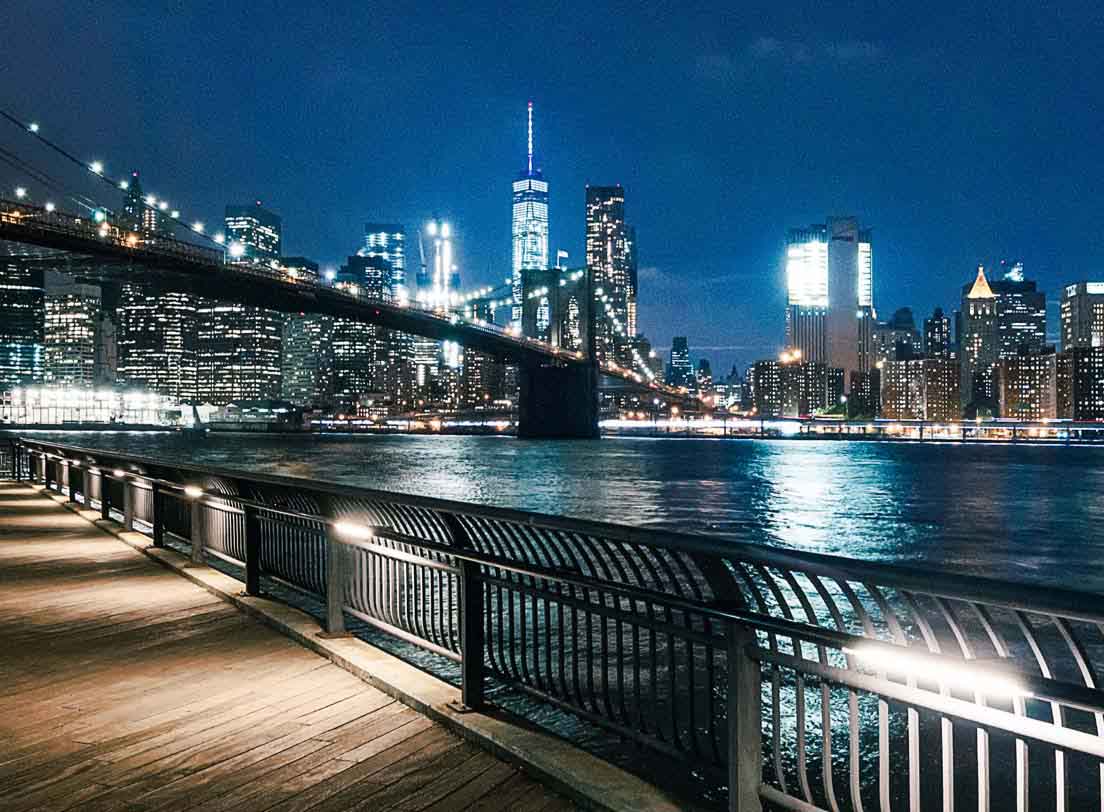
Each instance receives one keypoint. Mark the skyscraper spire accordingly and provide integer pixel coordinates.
(530, 138)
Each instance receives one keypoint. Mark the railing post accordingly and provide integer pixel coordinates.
(128, 504)
(70, 491)
(252, 551)
(197, 530)
(336, 579)
(745, 726)
(156, 520)
(472, 640)
(105, 496)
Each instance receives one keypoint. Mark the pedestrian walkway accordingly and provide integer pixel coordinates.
(125, 686)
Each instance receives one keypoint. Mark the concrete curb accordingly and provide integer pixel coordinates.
(587, 780)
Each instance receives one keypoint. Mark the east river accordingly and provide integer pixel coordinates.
(1025, 513)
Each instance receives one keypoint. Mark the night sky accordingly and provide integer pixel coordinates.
(960, 133)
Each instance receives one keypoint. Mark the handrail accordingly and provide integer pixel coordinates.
(1067, 602)
(748, 664)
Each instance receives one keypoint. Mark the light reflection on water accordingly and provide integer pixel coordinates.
(1020, 512)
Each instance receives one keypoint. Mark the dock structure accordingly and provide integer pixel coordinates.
(123, 685)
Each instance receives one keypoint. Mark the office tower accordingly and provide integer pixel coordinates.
(865, 398)
(1028, 386)
(307, 375)
(140, 211)
(1083, 315)
(252, 234)
(979, 347)
(1021, 313)
(387, 241)
(71, 332)
(704, 377)
(238, 347)
(769, 399)
(300, 269)
(156, 339)
(483, 377)
(920, 389)
(529, 225)
(1080, 383)
(22, 321)
(238, 353)
(937, 335)
(608, 257)
(830, 290)
(680, 372)
(361, 350)
(897, 339)
(634, 278)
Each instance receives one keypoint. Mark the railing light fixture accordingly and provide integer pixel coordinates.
(968, 676)
(192, 492)
(353, 531)
(119, 472)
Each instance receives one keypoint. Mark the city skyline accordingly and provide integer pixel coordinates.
(444, 143)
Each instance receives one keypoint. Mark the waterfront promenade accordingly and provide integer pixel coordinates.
(124, 685)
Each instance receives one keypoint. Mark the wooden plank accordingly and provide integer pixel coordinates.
(127, 687)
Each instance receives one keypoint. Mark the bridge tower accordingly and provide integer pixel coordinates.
(558, 400)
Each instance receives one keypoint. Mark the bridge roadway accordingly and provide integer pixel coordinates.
(181, 266)
(123, 685)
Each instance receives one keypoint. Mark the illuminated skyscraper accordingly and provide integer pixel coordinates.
(387, 241)
(530, 224)
(307, 360)
(361, 350)
(1083, 315)
(239, 348)
(1021, 312)
(72, 326)
(22, 315)
(609, 257)
(830, 293)
(156, 338)
(680, 370)
(140, 212)
(253, 234)
(979, 345)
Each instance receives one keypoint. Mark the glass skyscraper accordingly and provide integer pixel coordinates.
(830, 293)
(530, 225)
(22, 319)
(609, 256)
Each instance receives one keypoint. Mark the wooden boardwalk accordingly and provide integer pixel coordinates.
(124, 686)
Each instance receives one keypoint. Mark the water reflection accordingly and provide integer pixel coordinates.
(1029, 513)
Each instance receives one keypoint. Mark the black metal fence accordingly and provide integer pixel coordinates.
(807, 681)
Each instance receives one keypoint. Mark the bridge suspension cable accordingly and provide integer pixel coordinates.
(96, 169)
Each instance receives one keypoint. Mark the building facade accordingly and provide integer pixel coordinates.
(921, 389)
(72, 335)
(937, 335)
(680, 371)
(1080, 383)
(239, 348)
(361, 351)
(608, 256)
(1029, 386)
(1021, 314)
(979, 345)
(1083, 315)
(22, 323)
(156, 341)
(307, 376)
(830, 291)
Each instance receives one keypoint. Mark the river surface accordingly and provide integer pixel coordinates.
(1025, 513)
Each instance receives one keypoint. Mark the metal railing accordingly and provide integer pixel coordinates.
(805, 681)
